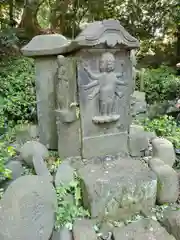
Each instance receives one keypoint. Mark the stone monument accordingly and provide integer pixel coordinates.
(44, 49)
(85, 89)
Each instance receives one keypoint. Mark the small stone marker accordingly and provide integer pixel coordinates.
(168, 182)
(32, 148)
(27, 209)
(164, 150)
(64, 174)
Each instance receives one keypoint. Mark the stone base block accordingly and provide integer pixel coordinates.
(105, 145)
(118, 188)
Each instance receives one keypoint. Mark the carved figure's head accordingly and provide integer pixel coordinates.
(107, 62)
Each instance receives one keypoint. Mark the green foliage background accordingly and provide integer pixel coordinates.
(17, 92)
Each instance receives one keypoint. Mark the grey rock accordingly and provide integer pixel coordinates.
(168, 182)
(16, 168)
(27, 209)
(138, 141)
(64, 174)
(26, 133)
(41, 168)
(142, 229)
(84, 230)
(139, 105)
(42, 45)
(117, 189)
(31, 149)
(62, 234)
(164, 150)
(171, 221)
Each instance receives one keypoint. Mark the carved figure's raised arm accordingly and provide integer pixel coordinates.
(119, 75)
(91, 84)
(91, 74)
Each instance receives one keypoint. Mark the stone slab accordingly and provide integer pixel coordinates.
(143, 229)
(117, 189)
(27, 209)
(104, 99)
(45, 71)
(104, 144)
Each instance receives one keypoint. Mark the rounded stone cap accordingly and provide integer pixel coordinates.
(42, 45)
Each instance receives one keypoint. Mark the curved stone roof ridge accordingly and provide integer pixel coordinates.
(94, 34)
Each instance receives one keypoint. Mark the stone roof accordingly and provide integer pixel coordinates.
(109, 32)
(45, 45)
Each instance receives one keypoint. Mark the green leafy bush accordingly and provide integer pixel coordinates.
(6, 152)
(160, 84)
(164, 126)
(69, 205)
(17, 93)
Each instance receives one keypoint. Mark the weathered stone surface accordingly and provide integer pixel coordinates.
(107, 31)
(64, 174)
(32, 148)
(16, 168)
(141, 230)
(139, 105)
(26, 133)
(83, 230)
(44, 45)
(104, 104)
(168, 182)
(46, 69)
(117, 189)
(41, 168)
(171, 221)
(68, 124)
(28, 209)
(164, 150)
(62, 234)
(138, 141)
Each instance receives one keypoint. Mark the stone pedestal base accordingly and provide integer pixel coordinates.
(117, 189)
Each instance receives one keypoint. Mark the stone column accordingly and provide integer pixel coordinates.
(44, 49)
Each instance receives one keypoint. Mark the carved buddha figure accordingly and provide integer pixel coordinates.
(106, 85)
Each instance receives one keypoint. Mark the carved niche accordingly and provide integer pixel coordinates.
(106, 85)
(65, 88)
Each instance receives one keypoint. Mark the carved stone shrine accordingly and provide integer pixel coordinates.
(93, 85)
(86, 104)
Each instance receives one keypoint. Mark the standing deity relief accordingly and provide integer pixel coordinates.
(106, 85)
